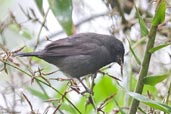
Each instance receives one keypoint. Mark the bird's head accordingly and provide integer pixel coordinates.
(117, 53)
(120, 57)
(120, 61)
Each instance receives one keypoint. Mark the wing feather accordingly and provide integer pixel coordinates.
(68, 47)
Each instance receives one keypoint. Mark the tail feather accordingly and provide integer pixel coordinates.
(36, 54)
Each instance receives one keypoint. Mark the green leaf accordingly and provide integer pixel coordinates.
(151, 103)
(39, 4)
(14, 27)
(62, 90)
(153, 80)
(132, 51)
(154, 49)
(68, 108)
(120, 109)
(62, 9)
(152, 89)
(160, 13)
(144, 30)
(81, 106)
(104, 88)
(38, 94)
(25, 33)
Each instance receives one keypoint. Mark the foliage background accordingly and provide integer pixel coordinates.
(30, 85)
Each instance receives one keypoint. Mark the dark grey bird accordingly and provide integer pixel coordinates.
(82, 54)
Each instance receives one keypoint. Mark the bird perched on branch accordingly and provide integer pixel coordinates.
(81, 54)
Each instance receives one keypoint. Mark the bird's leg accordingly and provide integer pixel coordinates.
(86, 89)
(92, 84)
(90, 99)
(93, 81)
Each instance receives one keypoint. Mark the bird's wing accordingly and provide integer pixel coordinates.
(69, 47)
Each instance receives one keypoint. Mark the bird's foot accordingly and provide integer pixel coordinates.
(87, 90)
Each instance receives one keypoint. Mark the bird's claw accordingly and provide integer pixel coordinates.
(87, 90)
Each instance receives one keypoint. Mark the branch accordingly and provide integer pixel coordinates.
(144, 68)
(158, 18)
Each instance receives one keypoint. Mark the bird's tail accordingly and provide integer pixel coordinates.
(36, 54)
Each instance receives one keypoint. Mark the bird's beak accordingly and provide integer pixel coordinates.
(120, 61)
(121, 65)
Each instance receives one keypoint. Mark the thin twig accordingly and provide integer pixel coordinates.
(41, 28)
(31, 107)
(13, 66)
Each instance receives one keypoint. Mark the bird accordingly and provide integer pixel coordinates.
(81, 54)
